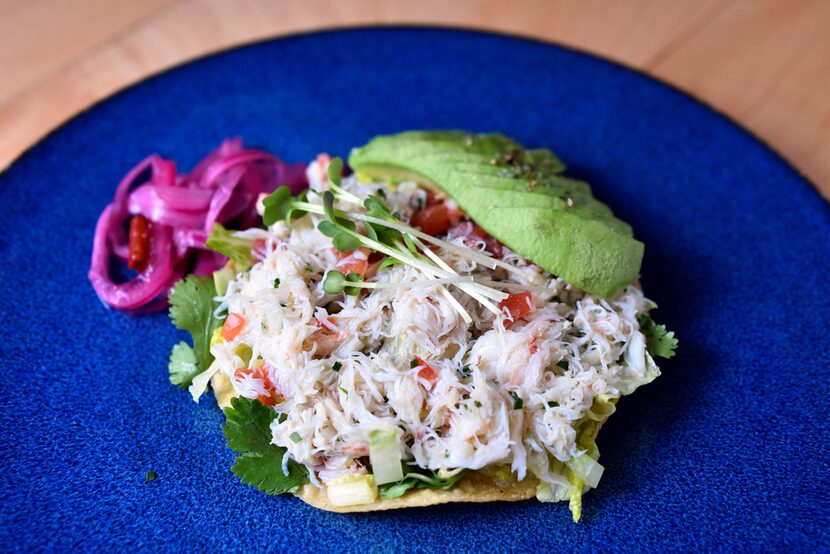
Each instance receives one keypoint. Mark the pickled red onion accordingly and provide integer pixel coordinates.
(222, 188)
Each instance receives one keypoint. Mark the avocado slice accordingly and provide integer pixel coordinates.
(517, 195)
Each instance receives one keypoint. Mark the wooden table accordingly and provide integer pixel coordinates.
(766, 63)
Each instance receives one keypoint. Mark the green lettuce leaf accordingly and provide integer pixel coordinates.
(248, 432)
(601, 409)
(192, 310)
(418, 478)
(235, 248)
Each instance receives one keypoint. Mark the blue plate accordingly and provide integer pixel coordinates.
(726, 451)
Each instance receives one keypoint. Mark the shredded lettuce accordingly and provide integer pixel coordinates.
(419, 478)
(237, 249)
(584, 472)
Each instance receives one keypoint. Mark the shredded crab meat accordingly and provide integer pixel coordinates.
(571, 348)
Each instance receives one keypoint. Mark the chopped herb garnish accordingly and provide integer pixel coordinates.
(336, 366)
(477, 403)
(151, 476)
(518, 403)
(563, 364)
(295, 437)
(343, 389)
(465, 371)
(414, 363)
(553, 404)
(277, 283)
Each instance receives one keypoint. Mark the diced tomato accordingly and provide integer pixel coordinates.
(272, 396)
(426, 372)
(478, 231)
(233, 326)
(259, 249)
(519, 305)
(433, 220)
(494, 247)
(139, 243)
(356, 261)
(433, 199)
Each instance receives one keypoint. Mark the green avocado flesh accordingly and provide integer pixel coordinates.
(518, 196)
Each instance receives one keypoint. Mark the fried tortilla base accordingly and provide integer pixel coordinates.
(475, 487)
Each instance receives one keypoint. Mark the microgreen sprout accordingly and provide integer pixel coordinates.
(383, 232)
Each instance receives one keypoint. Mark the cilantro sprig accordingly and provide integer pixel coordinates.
(192, 309)
(259, 464)
(659, 341)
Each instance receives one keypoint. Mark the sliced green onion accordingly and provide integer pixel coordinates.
(295, 437)
(336, 366)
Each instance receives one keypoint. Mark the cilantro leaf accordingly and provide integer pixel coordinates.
(191, 309)
(183, 366)
(235, 248)
(248, 432)
(659, 341)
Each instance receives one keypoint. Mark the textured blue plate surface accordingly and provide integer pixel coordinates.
(728, 450)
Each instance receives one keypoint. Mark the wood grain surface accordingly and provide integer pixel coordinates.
(766, 63)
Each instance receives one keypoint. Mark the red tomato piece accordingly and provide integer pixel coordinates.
(433, 220)
(478, 231)
(426, 372)
(272, 396)
(233, 326)
(356, 261)
(433, 199)
(519, 305)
